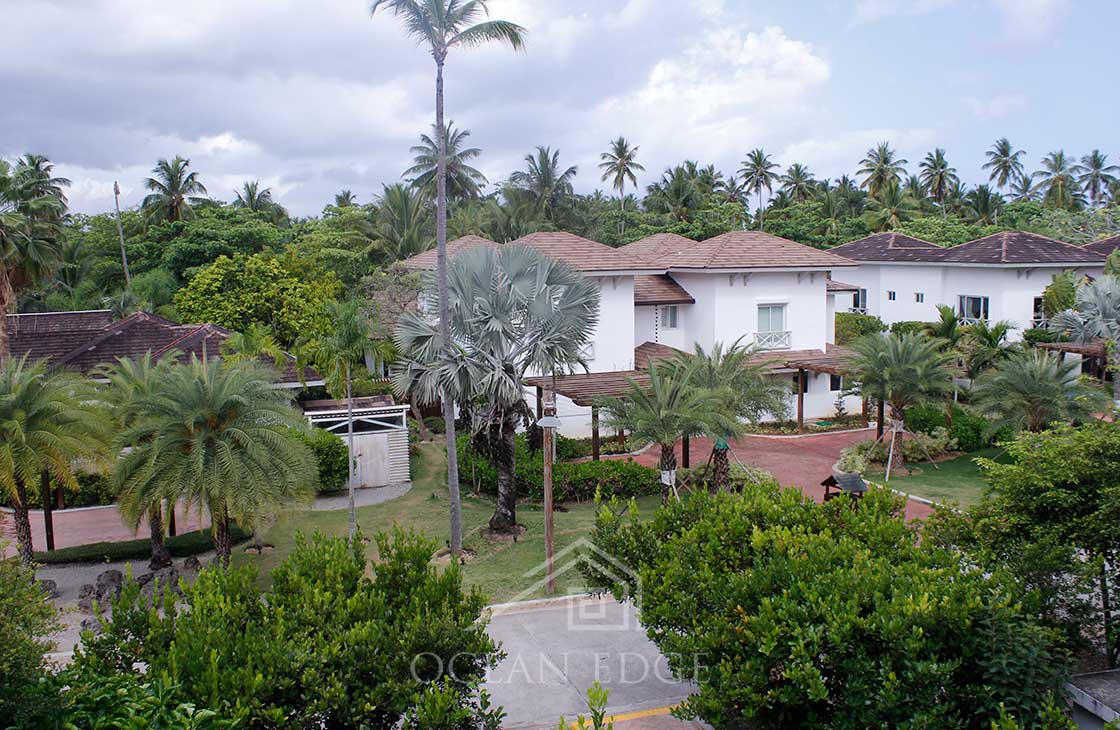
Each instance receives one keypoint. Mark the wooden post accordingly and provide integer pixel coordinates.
(548, 551)
(48, 517)
(540, 404)
(800, 400)
(684, 451)
(595, 433)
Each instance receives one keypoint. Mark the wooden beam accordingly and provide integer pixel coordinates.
(801, 400)
(595, 433)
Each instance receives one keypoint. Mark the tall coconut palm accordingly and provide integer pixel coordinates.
(403, 222)
(514, 313)
(619, 164)
(545, 180)
(1095, 316)
(746, 390)
(1096, 176)
(1023, 187)
(901, 370)
(1032, 389)
(668, 407)
(221, 436)
(938, 177)
(1004, 163)
(881, 167)
(47, 423)
(982, 206)
(798, 182)
(36, 178)
(335, 354)
(174, 191)
(676, 194)
(758, 173)
(918, 192)
(1059, 181)
(464, 182)
(345, 199)
(889, 207)
(253, 197)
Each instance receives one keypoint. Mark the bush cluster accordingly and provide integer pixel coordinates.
(569, 448)
(180, 546)
(919, 446)
(971, 431)
(908, 327)
(850, 326)
(330, 455)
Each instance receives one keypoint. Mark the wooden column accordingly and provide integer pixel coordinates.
(595, 433)
(684, 451)
(548, 526)
(540, 402)
(48, 517)
(800, 400)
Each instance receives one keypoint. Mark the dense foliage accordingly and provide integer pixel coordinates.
(330, 455)
(851, 326)
(794, 614)
(26, 618)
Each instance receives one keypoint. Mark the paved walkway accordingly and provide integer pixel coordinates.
(797, 461)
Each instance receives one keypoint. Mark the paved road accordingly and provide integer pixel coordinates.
(556, 652)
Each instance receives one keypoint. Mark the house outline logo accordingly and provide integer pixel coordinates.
(590, 615)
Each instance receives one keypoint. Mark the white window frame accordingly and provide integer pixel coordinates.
(859, 302)
(769, 338)
(964, 309)
(670, 317)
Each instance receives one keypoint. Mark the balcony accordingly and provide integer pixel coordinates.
(858, 310)
(772, 340)
(966, 321)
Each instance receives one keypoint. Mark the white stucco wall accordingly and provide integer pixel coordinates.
(644, 324)
(614, 335)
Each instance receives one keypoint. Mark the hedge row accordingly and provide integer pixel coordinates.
(970, 431)
(180, 546)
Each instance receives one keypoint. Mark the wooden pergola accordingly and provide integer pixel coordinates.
(584, 389)
(833, 361)
(1094, 351)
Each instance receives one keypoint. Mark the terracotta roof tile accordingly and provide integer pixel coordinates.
(659, 289)
(53, 334)
(750, 250)
(427, 259)
(648, 352)
(654, 247)
(580, 253)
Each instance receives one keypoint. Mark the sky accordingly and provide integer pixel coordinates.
(314, 97)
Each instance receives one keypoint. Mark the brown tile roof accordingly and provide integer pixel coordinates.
(659, 289)
(427, 259)
(581, 254)
(53, 334)
(1105, 246)
(838, 286)
(648, 352)
(1019, 247)
(654, 247)
(584, 388)
(889, 247)
(750, 250)
(834, 360)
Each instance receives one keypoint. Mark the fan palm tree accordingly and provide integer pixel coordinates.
(798, 182)
(880, 167)
(221, 436)
(889, 207)
(668, 407)
(174, 191)
(335, 354)
(514, 313)
(253, 197)
(464, 182)
(982, 206)
(1095, 175)
(901, 370)
(758, 173)
(1059, 181)
(1095, 316)
(984, 344)
(676, 194)
(619, 164)
(1004, 163)
(404, 225)
(256, 342)
(938, 177)
(1032, 389)
(746, 390)
(547, 183)
(47, 423)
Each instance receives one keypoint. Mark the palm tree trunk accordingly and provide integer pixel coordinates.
(721, 470)
(668, 464)
(622, 209)
(223, 542)
(23, 524)
(760, 213)
(161, 558)
(444, 313)
(48, 517)
(5, 291)
(504, 518)
(895, 459)
(353, 529)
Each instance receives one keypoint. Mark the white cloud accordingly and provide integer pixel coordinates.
(869, 11)
(996, 107)
(1026, 21)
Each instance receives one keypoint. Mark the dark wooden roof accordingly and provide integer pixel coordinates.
(889, 247)
(749, 250)
(834, 361)
(648, 352)
(1085, 349)
(366, 401)
(1020, 247)
(839, 286)
(584, 388)
(659, 289)
(1105, 246)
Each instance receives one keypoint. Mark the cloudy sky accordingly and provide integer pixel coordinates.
(315, 96)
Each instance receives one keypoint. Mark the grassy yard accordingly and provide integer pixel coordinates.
(499, 570)
(956, 481)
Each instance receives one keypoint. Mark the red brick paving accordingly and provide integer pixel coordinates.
(795, 461)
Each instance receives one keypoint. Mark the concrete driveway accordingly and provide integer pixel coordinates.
(557, 649)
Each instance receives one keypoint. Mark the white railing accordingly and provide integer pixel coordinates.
(772, 340)
(965, 321)
(858, 310)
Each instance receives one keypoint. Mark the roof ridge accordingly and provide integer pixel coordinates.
(115, 328)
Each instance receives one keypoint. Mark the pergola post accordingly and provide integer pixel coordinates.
(595, 433)
(684, 451)
(540, 402)
(800, 400)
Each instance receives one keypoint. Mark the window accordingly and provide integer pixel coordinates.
(891, 296)
(835, 383)
(669, 317)
(860, 302)
(919, 297)
(1039, 317)
(972, 308)
(801, 384)
(772, 318)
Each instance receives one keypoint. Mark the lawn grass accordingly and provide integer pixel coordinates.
(957, 481)
(500, 570)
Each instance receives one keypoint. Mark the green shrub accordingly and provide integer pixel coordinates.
(696, 478)
(435, 424)
(93, 490)
(1035, 335)
(26, 619)
(329, 645)
(90, 699)
(364, 386)
(180, 546)
(970, 431)
(916, 447)
(907, 327)
(925, 418)
(850, 326)
(330, 454)
(570, 448)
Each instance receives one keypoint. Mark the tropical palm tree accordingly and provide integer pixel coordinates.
(663, 410)
(335, 354)
(256, 342)
(1032, 389)
(982, 206)
(984, 344)
(174, 191)
(221, 436)
(36, 179)
(938, 177)
(918, 192)
(947, 328)
(758, 173)
(464, 182)
(344, 199)
(746, 391)
(901, 370)
(47, 423)
(880, 167)
(1024, 187)
(1004, 163)
(889, 207)
(798, 182)
(1095, 316)
(1059, 181)
(404, 222)
(546, 182)
(514, 313)
(1095, 175)
(676, 194)
(619, 164)
(253, 197)
(515, 218)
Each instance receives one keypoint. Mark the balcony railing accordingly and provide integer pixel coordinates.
(858, 310)
(772, 340)
(965, 321)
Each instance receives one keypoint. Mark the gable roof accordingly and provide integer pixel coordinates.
(427, 259)
(654, 247)
(1105, 246)
(749, 250)
(1019, 247)
(889, 247)
(582, 254)
(53, 334)
(654, 289)
(838, 286)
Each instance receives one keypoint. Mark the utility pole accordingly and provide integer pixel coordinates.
(548, 425)
(120, 234)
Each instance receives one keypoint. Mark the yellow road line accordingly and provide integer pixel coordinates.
(636, 715)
